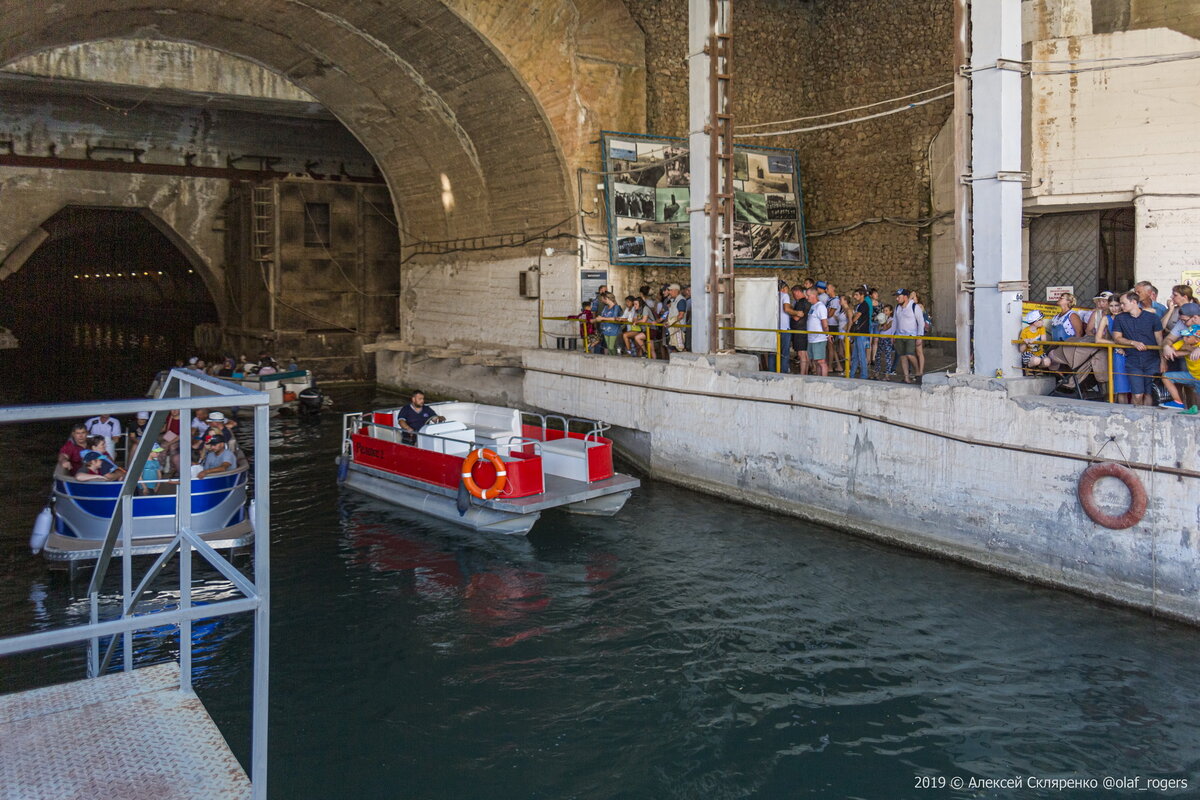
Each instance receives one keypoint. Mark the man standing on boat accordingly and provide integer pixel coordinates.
(413, 416)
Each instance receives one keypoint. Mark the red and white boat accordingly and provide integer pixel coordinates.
(515, 465)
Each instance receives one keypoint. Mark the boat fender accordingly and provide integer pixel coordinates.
(343, 469)
(41, 530)
(469, 480)
(1137, 495)
(252, 515)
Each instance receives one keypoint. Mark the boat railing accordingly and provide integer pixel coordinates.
(352, 423)
(186, 391)
(593, 434)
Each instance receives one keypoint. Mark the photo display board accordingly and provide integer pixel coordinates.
(646, 188)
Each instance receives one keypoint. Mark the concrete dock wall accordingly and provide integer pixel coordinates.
(923, 467)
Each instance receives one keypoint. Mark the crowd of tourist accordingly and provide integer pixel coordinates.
(813, 320)
(92, 449)
(1155, 341)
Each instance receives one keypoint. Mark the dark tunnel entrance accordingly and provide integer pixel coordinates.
(103, 303)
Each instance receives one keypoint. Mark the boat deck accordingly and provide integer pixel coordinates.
(129, 734)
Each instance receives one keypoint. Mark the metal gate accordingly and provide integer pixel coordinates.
(1064, 250)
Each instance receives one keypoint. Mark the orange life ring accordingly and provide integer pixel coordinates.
(1137, 495)
(468, 467)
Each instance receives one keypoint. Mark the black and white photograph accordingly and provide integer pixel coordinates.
(769, 184)
(658, 243)
(631, 200)
(789, 251)
(779, 165)
(743, 244)
(677, 167)
(741, 165)
(681, 243)
(628, 225)
(781, 206)
(765, 245)
(626, 151)
(629, 246)
(672, 204)
(651, 152)
(749, 207)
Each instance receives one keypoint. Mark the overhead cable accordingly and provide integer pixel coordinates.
(827, 125)
(848, 110)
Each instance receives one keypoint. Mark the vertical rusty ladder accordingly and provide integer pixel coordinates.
(721, 198)
(263, 228)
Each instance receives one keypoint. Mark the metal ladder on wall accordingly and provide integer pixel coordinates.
(721, 197)
(262, 208)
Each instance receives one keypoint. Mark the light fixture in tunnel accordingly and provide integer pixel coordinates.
(447, 194)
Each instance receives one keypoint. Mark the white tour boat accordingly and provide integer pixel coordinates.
(514, 465)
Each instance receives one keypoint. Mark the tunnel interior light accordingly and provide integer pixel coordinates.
(160, 273)
(108, 274)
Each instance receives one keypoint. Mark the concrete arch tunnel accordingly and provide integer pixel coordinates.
(474, 125)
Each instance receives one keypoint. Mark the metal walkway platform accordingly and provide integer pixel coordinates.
(130, 735)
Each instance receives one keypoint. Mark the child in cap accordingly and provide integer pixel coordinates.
(152, 471)
(1188, 341)
(1033, 356)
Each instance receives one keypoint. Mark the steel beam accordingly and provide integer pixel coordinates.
(699, 114)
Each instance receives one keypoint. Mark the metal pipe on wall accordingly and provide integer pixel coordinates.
(962, 195)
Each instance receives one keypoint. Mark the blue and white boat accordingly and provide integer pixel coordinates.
(82, 509)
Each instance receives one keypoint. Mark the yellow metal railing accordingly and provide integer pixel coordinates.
(1048, 345)
(779, 332)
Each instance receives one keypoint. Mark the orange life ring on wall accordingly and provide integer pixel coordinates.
(468, 467)
(1137, 495)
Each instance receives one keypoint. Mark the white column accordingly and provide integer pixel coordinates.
(996, 155)
(699, 114)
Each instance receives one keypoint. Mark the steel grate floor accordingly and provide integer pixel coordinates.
(129, 735)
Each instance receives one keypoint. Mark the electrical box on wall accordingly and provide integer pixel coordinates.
(530, 283)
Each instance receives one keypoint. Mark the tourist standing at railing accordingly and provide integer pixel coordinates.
(1187, 315)
(1120, 378)
(923, 325)
(598, 301)
(799, 326)
(1187, 373)
(817, 325)
(676, 307)
(1173, 323)
(909, 322)
(783, 301)
(885, 351)
(860, 322)
(1147, 294)
(1135, 330)
(876, 310)
(610, 331)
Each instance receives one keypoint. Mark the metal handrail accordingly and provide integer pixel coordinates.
(186, 391)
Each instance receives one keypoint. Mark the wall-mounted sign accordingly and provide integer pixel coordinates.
(590, 281)
(1055, 292)
(1191, 277)
(646, 188)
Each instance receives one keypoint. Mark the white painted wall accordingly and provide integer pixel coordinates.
(1007, 511)
(1123, 136)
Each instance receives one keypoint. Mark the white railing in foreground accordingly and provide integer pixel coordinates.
(184, 390)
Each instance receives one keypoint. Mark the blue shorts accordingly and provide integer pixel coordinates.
(1142, 366)
(1182, 378)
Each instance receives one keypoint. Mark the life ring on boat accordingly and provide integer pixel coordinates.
(1137, 495)
(468, 467)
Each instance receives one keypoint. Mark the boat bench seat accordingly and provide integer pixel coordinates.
(566, 447)
(566, 458)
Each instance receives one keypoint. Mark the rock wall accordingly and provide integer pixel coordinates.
(798, 59)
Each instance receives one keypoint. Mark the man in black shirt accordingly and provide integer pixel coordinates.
(413, 416)
(860, 323)
(799, 309)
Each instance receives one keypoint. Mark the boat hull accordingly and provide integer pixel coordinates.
(377, 484)
(82, 511)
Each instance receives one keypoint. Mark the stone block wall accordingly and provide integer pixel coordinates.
(796, 59)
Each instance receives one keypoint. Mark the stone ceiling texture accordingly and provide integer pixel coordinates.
(499, 102)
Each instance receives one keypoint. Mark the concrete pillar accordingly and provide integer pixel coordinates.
(699, 115)
(996, 183)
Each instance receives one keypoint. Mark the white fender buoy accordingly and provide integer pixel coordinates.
(252, 501)
(41, 530)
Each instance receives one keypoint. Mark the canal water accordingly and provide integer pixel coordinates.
(687, 648)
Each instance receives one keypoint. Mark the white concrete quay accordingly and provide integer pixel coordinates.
(804, 446)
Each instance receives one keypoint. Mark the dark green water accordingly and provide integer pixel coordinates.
(688, 648)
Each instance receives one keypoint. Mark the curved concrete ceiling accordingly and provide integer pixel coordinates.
(443, 114)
